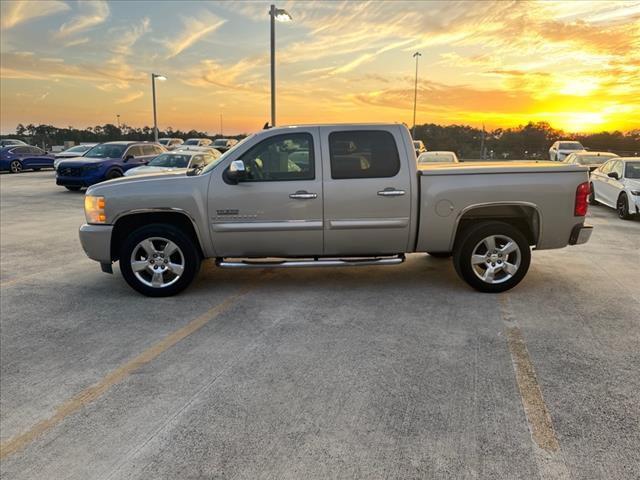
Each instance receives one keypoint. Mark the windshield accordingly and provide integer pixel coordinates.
(210, 167)
(171, 160)
(429, 157)
(220, 143)
(164, 141)
(571, 146)
(106, 151)
(192, 141)
(632, 170)
(593, 159)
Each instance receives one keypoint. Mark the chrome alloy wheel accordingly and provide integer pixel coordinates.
(495, 259)
(157, 262)
(15, 166)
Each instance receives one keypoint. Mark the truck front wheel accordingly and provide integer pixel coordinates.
(159, 260)
(492, 257)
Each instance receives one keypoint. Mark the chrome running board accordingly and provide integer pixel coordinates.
(316, 262)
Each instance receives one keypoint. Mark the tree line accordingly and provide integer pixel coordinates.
(528, 141)
(48, 135)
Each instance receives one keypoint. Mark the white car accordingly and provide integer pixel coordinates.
(175, 161)
(224, 144)
(419, 147)
(560, 149)
(171, 143)
(589, 159)
(438, 157)
(72, 152)
(198, 142)
(616, 184)
(191, 148)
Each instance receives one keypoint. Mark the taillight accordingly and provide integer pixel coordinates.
(582, 194)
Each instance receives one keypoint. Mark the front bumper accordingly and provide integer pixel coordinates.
(96, 242)
(74, 181)
(580, 234)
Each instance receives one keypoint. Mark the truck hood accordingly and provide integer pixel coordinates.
(103, 188)
(80, 161)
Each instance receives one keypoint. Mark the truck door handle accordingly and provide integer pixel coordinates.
(303, 195)
(391, 192)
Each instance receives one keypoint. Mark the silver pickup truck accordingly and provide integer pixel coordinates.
(334, 195)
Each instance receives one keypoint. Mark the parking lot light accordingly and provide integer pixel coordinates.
(155, 76)
(281, 15)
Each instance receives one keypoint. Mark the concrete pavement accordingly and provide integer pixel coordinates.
(371, 372)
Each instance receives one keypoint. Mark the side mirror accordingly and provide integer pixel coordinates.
(613, 175)
(128, 157)
(236, 171)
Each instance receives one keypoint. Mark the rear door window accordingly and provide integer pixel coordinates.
(363, 154)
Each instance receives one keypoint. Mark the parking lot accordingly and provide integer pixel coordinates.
(371, 372)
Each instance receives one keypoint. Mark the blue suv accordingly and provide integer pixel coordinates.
(105, 162)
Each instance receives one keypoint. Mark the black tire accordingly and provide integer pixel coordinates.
(72, 189)
(36, 169)
(592, 196)
(113, 174)
(471, 239)
(15, 166)
(440, 254)
(622, 207)
(188, 249)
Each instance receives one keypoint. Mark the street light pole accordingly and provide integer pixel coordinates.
(153, 93)
(272, 14)
(118, 119)
(415, 95)
(282, 16)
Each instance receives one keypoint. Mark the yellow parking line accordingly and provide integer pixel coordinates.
(90, 394)
(540, 424)
(548, 457)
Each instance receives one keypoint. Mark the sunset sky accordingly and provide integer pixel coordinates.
(574, 64)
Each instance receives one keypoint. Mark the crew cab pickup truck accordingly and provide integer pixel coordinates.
(334, 195)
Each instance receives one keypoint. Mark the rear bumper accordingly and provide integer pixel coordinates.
(580, 234)
(96, 242)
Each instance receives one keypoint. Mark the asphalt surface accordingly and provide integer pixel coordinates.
(371, 372)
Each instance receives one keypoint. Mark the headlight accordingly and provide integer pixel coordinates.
(635, 192)
(94, 209)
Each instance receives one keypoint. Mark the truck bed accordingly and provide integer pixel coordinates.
(541, 191)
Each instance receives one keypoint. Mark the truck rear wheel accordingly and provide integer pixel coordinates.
(159, 260)
(492, 257)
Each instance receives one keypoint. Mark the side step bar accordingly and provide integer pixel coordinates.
(329, 262)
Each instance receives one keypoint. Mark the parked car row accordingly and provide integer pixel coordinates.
(110, 160)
